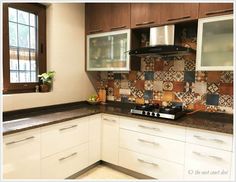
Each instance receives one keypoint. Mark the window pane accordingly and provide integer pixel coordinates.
(23, 32)
(24, 65)
(32, 37)
(12, 14)
(13, 34)
(24, 54)
(33, 65)
(13, 53)
(33, 76)
(32, 19)
(13, 64)
(14, 77)
(22, 76)
(23, 17)
(32, 55)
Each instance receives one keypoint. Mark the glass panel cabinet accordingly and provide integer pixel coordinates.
(108, 51)
(215, 43)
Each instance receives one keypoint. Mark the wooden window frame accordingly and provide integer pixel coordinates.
(40, 11)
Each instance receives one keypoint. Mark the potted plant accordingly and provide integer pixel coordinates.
(46, 80)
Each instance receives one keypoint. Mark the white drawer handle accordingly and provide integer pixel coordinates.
(151, 163)
(146, 141)
(73, 126)
(208, 156)
(63, 158)
(18, 141)
(210, 139)
(150, 128)
(112, 120)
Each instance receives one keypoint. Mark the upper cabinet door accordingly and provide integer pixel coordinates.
(97, 17)
(178, 12)
(120, 16)
(144, 14)
(214, 9)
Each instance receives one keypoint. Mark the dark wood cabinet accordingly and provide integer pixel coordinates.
(215, 9)
(144, 14)
(178, 12)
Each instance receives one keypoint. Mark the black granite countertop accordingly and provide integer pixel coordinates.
(219, 122)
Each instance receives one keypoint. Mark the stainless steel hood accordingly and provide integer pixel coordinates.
(161, 44)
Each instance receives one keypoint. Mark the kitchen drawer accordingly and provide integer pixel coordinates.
(150, 166)
(153, 128)
(110, 118)
(209, 138)
(66, 163)
(58, 137)
(207, 163)
(160, 147)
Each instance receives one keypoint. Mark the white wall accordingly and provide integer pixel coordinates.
(65, 55)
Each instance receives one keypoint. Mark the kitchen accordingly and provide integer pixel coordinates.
(144, 89)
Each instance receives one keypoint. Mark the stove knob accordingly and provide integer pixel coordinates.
(153, 114)
(143, 112)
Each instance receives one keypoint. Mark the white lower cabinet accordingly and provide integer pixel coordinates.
(21, 155)
(150, 166)
(65, 163)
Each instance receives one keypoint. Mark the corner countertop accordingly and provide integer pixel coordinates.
(218, 122)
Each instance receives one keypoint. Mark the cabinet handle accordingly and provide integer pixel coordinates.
(112, 120)
(220, 11)
(150, 128)
(18, 141)
(95, 31)
(151, 163)
(208, 156)
(145, 23)
(73, 126)
(180, 18)
(211, 139)
(146, 141)
(119, 27)
(63, 158)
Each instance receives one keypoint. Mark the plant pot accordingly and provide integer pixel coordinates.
(45, 88)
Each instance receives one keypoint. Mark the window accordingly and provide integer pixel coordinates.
(24, 48)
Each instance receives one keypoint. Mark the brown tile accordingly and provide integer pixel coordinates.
(124, 84)
(226, 88)
(168, 65)
(213, 76)
(178, 86)
(116, 92)
(168, 96)
(140, 84)
(199, 106)
(168, 86)
(158, 65)
(139, 100)
(132, 75)
(111, 83)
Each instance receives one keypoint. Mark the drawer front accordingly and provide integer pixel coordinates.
(153, 128)
(160, 147)
(210, 139)
(150, 166)
(207, 163)
(110, 118)
(21, 155)
(62, 136)
(66, 163)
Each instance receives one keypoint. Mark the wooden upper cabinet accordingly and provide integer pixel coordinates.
(178, 12)
(214, 9)
(97, 17)
(144, 14)
(120, 16)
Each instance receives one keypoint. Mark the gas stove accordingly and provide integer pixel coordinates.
(155, 111)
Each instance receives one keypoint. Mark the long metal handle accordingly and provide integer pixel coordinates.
(112, 120)
(95, 31)
(150, 128)
(220, 11)
(207, 156)
(119, 27)
(146, 141)
(18, 141)
(151, 163)
(210, 139)
(180, 18)
(145, 23)
(73, 126)
(63, 158)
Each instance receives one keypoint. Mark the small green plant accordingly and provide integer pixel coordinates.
(47, 77)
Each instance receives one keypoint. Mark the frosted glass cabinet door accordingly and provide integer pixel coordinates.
(108, 51)
(215, 43)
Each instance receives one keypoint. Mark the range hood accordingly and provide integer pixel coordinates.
(161, 44)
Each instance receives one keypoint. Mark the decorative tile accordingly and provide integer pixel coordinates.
(131, 83)
(169, 76)
(103, 83)
(178, 65)
(139, 101)
(189, 87)
(200, 87)
(124, 84)
(189, 64)
(131, 98)
(226, 101)
(178, 86)
(110, 83)
(116, 92)
(140, 75)
(147, 64)
(213, 88)
(212, 99)
(124, 76)
(134, 93)
(167, 86)
(110, 75)
(167, 96)
(158, 64)
(200, 76)
(110, 98)
(212, 108)
(178, 76)
(110, 91)
(148, 94)
(189, 76)
(140, 93)
(159, 75)
(117, 83)
(213, 76)
(132, 75)
(103, 75)
(199, 106)
(158, 85)
(226, 77)
(140, 84)
(168, 66)
(125, 91)
(188, 98)
(148, 85)
(226, 88)
(157, 95)
(178, 96)
(117, 76)
(149, 75)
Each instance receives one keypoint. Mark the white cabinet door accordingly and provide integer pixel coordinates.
(21, 155)
(206, 163)
(94, 138)
(110, 138)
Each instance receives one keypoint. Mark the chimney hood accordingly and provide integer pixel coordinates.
(161, 44)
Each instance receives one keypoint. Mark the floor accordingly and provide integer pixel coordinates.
(104, 172)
